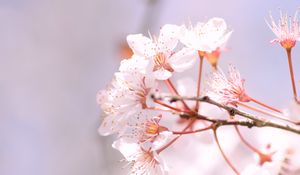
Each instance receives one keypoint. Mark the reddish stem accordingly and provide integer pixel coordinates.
(171, 87)
(289, 55)
(168, 106)
(267, 113)
(223, 154)
(265, 105)
(174, 91)
(199, 81)
(191, 132)
(160, 109)
(245, 141)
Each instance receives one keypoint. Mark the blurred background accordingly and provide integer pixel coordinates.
(56, 54)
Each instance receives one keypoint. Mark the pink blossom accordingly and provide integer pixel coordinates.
(227, 90)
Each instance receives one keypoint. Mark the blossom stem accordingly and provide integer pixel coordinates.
(166, 105)
(265, 105)
(223, 154)
(171, 87)
(160, 109)
(174, 91)
(245, 141)
(199, 81)
(266, 113)
(289, 55)
(194, 131)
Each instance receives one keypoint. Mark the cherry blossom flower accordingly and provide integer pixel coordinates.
(160, 51)
(206, 37)
(128, 93)
(227, 90)
(287, 30)
(141, 161)
(144, 128)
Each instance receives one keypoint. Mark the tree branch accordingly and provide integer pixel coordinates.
(254, 121)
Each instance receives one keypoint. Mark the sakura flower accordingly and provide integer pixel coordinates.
(141, 161)
(227, 90)
(160, 51)
(144, 128)
(128, 93)
(286, 31)
(206, 37)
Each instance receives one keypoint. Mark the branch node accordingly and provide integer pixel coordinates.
(172, 100)
(205, 98)
(232, 112)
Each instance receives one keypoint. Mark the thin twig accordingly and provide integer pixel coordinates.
(199, 81)
(223, 154)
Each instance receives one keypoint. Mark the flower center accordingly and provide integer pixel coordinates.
(288, 43)
(142, 93)
(152, 128)
(160, 62)
(213, 57)
(263, 158)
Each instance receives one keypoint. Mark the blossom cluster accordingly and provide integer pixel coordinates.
(136, 117)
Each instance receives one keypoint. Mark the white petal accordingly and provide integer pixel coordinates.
(135, 63)
(218, 24)
(161, 168)
(168, 37)
(127, 149)
(223, 40)
(162, 74)
(141, 45)
(182, 60)
(163, 138)
(110, 125)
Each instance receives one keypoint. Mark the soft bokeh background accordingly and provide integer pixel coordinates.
(56, 54)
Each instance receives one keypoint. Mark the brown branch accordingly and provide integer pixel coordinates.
(254, 121)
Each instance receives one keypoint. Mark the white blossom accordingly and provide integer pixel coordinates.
(206, 37)
(143, 128)
(128, 93)
(141, 161)
(160, 51)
